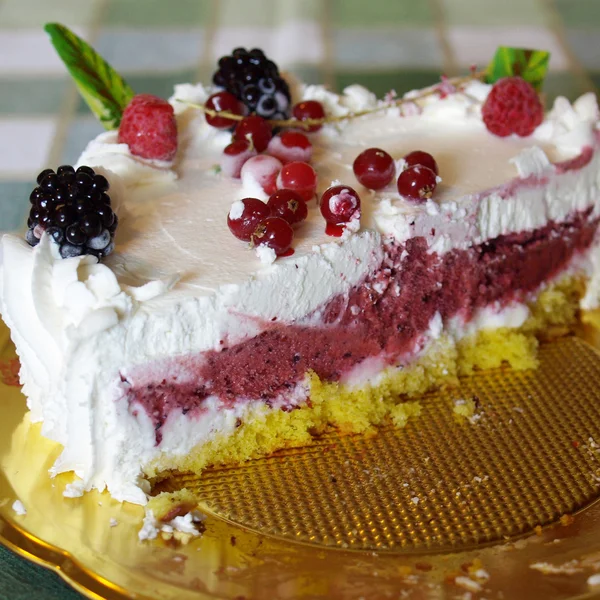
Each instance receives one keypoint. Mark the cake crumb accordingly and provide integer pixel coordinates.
(149, 529)
(467, 583)
(415, 500)
(464, 407)
(568, 568)
(181, 528)
(265, 254)
(19, 508)
(74, 490)
(113, 522)
(567, 520)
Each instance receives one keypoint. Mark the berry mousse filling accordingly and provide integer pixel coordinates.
(386, 317)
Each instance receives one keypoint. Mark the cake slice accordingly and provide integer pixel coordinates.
(185, 348)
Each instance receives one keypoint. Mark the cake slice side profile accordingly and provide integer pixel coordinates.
(184, 348)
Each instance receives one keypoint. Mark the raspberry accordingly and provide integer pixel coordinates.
(512, 106)
(149, 128)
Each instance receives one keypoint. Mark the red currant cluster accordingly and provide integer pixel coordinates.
(270, 224)
(375, 169)
(278, 164)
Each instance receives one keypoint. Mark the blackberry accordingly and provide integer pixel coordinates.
(254, 79)
(73, 208)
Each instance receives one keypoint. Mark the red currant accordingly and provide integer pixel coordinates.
(235, 155)
(255, 128)
(223, 101)
(340, 204)
(245, 216)
(275, 233)
(288, 205)
(418, 157)
(290, 146)
(374, 168)
(309, 109)
(262, 170)
(300, 177)
(417, 183)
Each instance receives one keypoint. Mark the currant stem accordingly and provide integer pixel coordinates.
(307, 123)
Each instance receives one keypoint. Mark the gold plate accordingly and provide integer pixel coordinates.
(441, 509)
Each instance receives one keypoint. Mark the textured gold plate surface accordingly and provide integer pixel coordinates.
(442, 483)
(440, 509)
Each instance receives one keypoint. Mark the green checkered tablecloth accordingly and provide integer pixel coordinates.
(384, 44)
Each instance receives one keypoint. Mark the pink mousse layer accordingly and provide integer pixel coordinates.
(386, 316)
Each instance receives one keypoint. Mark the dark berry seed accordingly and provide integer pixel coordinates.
(99, 242)
(112, 228)
(266, 106)
(64, 169)
(44, 202)
(67, 178)
(100, 183)
(225, 63)
(56, 233)
(73, 191)
(70, 251)
(92, 195)
(109, 249)
(50, 182)
(81, 205)
(83, 179)
(37, 192)
(87, 170)
(75, 236)
(64, 216)
(60, 196)
(106, 215)
(266, 85)
(251, 96)
(30, 237)
(91, 225)
(105, 199)
(43, 175)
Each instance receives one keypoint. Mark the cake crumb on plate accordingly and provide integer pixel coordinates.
(19, 508)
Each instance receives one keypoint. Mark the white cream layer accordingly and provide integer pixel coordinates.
(179, 283)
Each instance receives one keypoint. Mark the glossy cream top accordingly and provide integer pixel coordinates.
(173, 220)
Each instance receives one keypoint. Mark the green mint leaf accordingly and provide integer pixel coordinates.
(531, 65)
(105, 91)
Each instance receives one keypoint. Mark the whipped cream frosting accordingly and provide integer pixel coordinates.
(179, 283)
